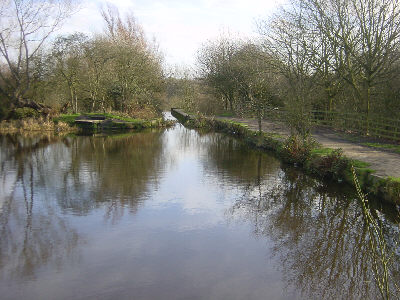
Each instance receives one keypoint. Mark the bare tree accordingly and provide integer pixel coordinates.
(67, 55)
(287, 37)
(136, 62)
(255, 79)
(324, 47)
(24, 28)
(97, 68)
(123, 29)
(215, 61)
(365, 36)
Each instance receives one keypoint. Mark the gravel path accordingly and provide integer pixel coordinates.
(385, 163)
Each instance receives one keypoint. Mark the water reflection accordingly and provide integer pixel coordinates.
(32, 234)
(227, 156)
(42, 174)
(318, 235)
(174, 214)
(111, 171)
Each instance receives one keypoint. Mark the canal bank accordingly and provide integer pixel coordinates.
(325, 162)
(75, 123)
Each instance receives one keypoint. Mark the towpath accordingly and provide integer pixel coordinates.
(385, 163)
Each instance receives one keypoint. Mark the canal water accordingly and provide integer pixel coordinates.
(176, 214)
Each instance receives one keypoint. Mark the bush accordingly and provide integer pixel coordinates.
(334, 165)
(23, 113)
(297, 149)
(3, 112)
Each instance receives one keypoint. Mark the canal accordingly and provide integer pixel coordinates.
(177, 214)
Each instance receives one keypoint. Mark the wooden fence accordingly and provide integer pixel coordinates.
(375, 126)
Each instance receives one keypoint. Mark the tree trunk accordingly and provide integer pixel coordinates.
(76, 103)
(71, 94)
(102, 105)
(368, 109)
(93, 96)
(231, 102)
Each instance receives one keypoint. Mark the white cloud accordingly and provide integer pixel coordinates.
(180, 27)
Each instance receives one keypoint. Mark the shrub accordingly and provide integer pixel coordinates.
(3, 112)
(23, 113)
(333, 165)
(297, 149)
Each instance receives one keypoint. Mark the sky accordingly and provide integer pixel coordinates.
(179, 27)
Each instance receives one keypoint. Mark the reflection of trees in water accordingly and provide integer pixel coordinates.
(46, 173)
(112, 172)
(236, 160)
(32, 234)
(319, 236)
(189, 141)
(231, 160)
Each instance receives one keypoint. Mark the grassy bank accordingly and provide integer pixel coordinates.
(35, 125)
(324, 163)
(70, 123)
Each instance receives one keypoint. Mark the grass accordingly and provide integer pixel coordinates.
(32, 124)
(360, 164)
(395, 179)
(358, 139)
(396, 148)
(238, 124)
(322, 151)
(226, 114)
(69, 119)
(112, 116)
(275, 135)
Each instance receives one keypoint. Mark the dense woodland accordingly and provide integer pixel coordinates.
(329, 55)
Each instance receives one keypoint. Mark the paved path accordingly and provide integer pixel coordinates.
(385, 163)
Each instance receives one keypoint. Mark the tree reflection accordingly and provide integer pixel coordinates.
(32, 234)
(319, 236)
(232, 161)
(113, 172)
(44, 179)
